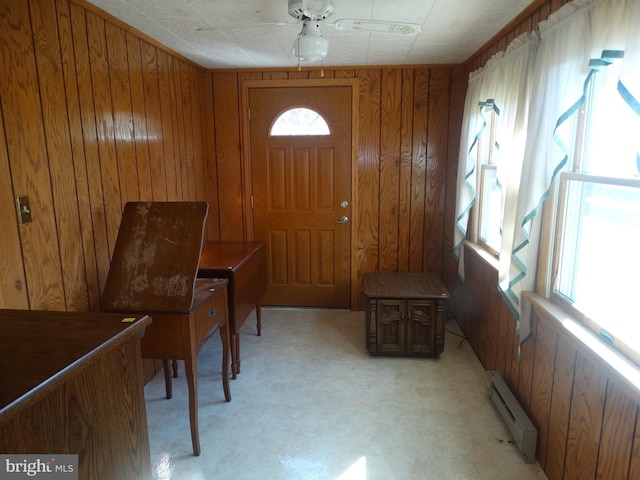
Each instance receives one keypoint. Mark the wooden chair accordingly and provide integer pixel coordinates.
(153, 271)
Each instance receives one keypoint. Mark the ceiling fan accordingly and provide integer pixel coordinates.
(310, 45)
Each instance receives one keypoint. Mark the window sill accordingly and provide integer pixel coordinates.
(484, 254)
(614, 363)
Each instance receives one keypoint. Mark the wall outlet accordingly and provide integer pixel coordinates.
(24, 209)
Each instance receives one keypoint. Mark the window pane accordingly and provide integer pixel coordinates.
(299, 121)
(490, 208)
(600, 255)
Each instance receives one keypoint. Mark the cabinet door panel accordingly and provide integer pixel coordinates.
(391, 325)
(421, 321)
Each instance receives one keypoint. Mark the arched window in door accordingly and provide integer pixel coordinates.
(299, 121)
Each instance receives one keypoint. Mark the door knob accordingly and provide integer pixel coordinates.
(343, 219)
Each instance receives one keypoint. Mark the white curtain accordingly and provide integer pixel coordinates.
(558, 87)
(503, 84)
(625, 36)
(578, 33)
(574, 38)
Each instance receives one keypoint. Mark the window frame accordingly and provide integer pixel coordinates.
(298, 133)
(485, 151)
(556, 231)
(482, 195)
(558, 238)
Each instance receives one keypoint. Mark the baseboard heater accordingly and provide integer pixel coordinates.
(524, 433)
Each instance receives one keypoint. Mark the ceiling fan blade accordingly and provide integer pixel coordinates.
(248, 25)
(399, 28)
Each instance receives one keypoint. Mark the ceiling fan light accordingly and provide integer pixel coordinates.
(310, 44)
(311, 48)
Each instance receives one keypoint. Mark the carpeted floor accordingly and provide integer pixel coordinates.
(310, 403)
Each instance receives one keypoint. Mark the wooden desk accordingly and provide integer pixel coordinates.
(244, 264)
(71, 383)
(181, 336)
(153, 270)
(405, 313)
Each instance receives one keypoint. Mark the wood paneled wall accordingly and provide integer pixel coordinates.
(92, 116)
(406, 186)
(588, 419)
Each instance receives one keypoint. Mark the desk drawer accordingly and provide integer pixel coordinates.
(210, 315)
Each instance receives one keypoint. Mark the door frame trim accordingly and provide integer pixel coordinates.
(245, 155)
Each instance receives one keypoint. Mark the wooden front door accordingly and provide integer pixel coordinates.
(301, 192)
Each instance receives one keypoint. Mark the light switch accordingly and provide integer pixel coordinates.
(24, 209)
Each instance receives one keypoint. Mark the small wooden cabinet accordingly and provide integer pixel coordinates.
(405, 314)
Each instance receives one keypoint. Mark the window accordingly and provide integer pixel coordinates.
(490, 190)
(299, 121)
(597, 252)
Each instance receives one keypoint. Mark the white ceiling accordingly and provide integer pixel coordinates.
(245, 34)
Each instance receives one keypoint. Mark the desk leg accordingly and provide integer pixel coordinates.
(235, 355)
(168, 384)
(224, 337)
(191, 374)
(258, 321)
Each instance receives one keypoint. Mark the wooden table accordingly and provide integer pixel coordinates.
(405, 313)
(72, 383)
(181, 336)
(244, 264)
(153, 270)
